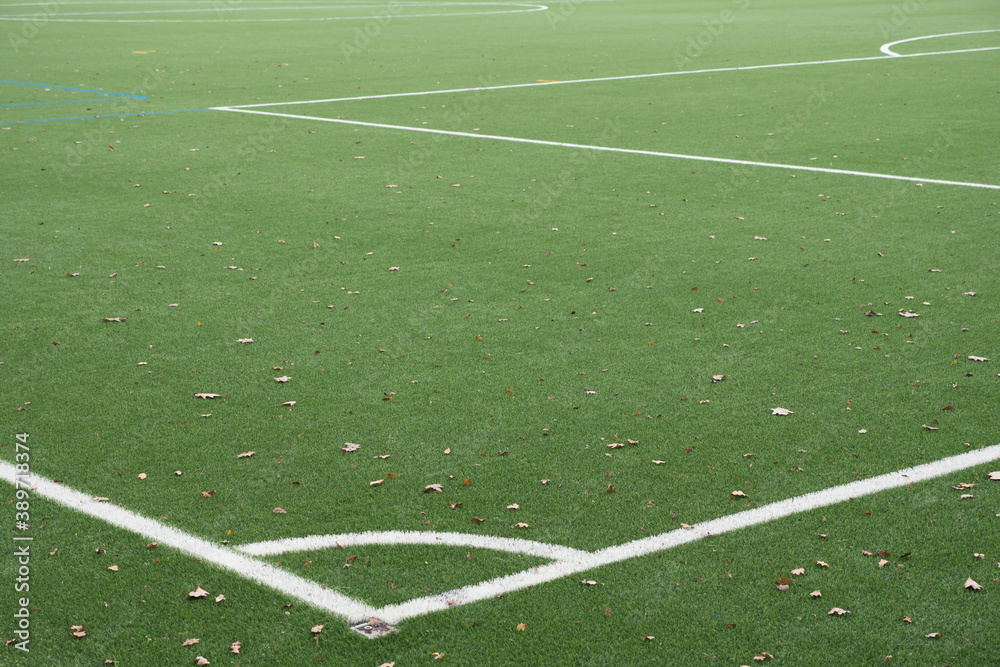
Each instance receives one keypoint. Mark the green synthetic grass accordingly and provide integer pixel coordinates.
(548, 274)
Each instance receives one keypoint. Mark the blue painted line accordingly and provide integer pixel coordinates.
(117, 115)
(38, 104)
(80, 90)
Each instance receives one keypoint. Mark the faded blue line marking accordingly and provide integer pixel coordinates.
(80, 90)
(116, 115)
(38, 104)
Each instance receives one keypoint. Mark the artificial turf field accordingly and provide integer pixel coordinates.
(572, 305)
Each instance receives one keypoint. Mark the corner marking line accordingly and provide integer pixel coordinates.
(570, 561)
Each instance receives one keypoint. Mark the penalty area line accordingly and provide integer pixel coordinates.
(612, 149)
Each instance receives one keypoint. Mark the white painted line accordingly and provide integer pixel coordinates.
(631, 151)
(255, 570)
(398, 537)
(572, 561)
(76, 17)
(626, 77)
(887, 48)
(545, 573)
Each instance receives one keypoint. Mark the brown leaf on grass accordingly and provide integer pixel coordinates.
(350, 447)
(969, 583)
(198, 593)
(762, 656)
(781, 411)
(283, 378)
(738, 494)
(207, 395)
(781, 587)
(316, 629)
(207, 494)
(219, 598)
(995, 475)
(718, 378)
(816, 594)
(475, 520)
(141, 475)
(907, 619)
(961, 486)
(235, 647)
(659, 463)
(972, 358)
(191, 642)
(101, 499)
(966, 496)
(588, 582)
(152, 545)
(882, 563)
(200, 661)
(377, 482)
(838, 611)
(513, 506)
(245, 455)
(822, 563)
(522, 525)
(78, 633)
(616, 445)
(799, 571)
(454, 505)
(521, 627)
(435, 488)
(280, 510)
(114, 568)
(908, 313)
(933, 635)
(929, 428)
(648, 638)
(113, 319)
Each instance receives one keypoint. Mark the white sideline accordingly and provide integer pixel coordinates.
(573, 561)
(624, 77)
(632, 151)
(545, 573)
(155, 531)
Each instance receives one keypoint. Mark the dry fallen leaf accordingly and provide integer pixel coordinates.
(198, 593)
(738, 494)
(929, 428)
(279, 510)
(200, 661)
(114, 568)
(350, 447)
(316, 629)
(235, 647)
(838, 611)
(283, 378)
(377, 482)
(245, 455)
(908, 619)
(883, 562)
(822, 563)
(718, 378)
(781, 411)
(969, 583)
(289, 403)
(978, 358)
(522, 525)
(762, 656)
(244, 340)
(207, 395)
(190, 642)
(141, 475)
(995, 475)
(658, 462)
(436, 488)
(933, 635)
(521, 627)
(816, 594)
(220, 598)
(799, 571)
(588, 582)
(513, 506)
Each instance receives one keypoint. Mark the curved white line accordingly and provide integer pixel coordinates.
(527, 8)
(399, 537)
(887, 48)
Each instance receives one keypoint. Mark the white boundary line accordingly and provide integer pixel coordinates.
(526, 8)
(625, 77)
(887, 48)
(611, 149)
(573, 563)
